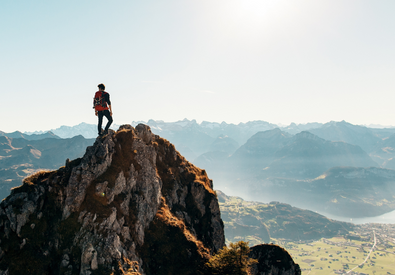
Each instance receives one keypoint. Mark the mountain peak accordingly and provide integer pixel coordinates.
(307, 135)
(132, 202)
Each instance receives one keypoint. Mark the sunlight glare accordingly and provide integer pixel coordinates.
(251, 18)
(261, 7)
(260, 10)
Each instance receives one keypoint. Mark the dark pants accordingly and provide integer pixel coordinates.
(100, 115)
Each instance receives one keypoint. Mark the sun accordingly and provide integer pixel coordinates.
(253, 14)
(248, 20)
(260, 9)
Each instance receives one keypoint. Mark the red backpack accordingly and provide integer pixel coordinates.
(99, 103)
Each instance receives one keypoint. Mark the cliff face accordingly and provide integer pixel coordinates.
(131, 204)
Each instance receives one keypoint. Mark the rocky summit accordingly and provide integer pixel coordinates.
(131, 205)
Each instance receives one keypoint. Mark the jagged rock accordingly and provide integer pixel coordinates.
(131, 205)
(272, 260)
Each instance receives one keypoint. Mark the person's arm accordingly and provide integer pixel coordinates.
(107, 98)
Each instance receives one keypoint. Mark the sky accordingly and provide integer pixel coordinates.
(280, 61)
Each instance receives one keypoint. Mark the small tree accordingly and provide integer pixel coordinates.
(231, 260)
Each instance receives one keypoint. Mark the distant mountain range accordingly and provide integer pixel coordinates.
(23, 155)
(363, 137)
(275, 153)
(83, 129)
(26, 136)
(193, 139)
(257, 159)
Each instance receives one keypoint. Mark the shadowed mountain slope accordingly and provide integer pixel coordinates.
(275, 153)
(259, 151)
(308, 156)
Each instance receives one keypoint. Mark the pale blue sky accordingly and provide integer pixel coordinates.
(280, 61)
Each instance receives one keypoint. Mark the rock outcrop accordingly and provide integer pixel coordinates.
(272, 260)
(131, 205)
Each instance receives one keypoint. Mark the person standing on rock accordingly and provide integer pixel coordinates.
(102, 105)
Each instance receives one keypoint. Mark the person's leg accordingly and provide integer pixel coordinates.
(109, 117)
(100, 116)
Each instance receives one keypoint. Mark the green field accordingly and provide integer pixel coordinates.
(327, 256)
(318, 244)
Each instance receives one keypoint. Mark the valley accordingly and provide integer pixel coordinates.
(318, 244)
(369, 249)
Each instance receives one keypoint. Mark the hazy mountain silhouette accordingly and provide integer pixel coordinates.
(308, 156)
(349, 133)
(259, 151)
(275, 153)
(294, 128)
(239, 132)
(224, 144)
(341, 191)
(18, 134)
(20, 157)
(274, 165)
(189, 136)
(84, 129)
(194, 139)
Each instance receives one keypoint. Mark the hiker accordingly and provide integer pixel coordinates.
(101, 104)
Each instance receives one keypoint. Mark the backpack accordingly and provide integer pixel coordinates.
(99, 103)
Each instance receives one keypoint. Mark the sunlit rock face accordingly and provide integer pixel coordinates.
(132, 203)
